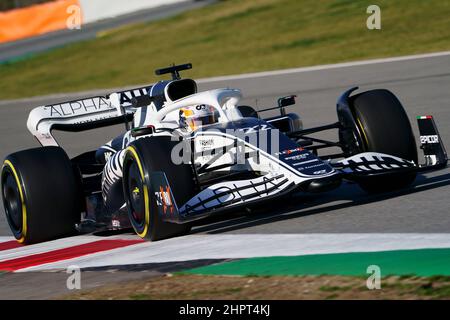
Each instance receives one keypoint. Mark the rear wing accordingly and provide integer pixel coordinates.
(84, 114)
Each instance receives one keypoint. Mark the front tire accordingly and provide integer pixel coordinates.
(40, 194)
(385, 128)
(143, 157)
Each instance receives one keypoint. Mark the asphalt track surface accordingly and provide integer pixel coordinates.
(29, 46)
(421, 84)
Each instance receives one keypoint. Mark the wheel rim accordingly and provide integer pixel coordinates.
(12, 201)
(135, 196)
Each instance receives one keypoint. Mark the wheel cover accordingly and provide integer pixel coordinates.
(136, 195)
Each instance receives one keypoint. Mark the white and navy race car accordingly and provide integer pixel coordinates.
(186, 155)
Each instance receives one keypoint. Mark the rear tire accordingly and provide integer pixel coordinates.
(144, 156)
(40, 194)
(385, 128)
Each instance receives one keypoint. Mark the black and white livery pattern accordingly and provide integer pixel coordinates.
(234, 162)
(112, 181)
(372, 162)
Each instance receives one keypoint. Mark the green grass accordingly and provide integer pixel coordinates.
(420, 262)
(233, 37)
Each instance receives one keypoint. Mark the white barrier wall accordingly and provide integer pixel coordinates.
(94, 10)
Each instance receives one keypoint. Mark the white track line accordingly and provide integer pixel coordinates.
(251, 245)
(323, 67)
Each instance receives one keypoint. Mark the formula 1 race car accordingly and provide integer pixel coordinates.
(186, 155)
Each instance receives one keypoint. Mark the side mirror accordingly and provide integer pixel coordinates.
(284, 102)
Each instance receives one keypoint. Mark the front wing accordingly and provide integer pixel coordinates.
(241, 193)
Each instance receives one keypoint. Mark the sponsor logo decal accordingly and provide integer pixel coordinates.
(205, 144)
(289, 151)
(74, 108)
(429, 139)
(164, 199)
(297, 157)
(313, 166)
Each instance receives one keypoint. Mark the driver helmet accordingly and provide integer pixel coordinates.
(194, 117)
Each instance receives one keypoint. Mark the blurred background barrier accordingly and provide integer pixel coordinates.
(94, 10)
(27, 18)
(34, 20)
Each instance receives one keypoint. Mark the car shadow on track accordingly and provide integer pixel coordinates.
(311, 204)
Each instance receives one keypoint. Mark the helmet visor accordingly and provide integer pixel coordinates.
(196, 122)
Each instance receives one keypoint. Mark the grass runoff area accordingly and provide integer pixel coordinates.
(233, 37)
(419, 262)
(405, 274)
(182, 287)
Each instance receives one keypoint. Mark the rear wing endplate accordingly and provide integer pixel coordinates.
(84, 114)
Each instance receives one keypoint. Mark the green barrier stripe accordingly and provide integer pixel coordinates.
(421, 262)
